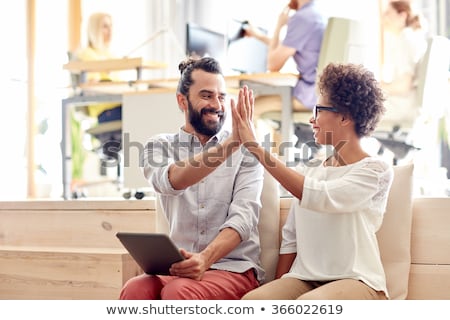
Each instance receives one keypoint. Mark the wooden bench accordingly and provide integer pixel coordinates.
(64, 272)
(68, 249)
(429, 276)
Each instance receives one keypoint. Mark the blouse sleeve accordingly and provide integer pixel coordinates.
(361, 185)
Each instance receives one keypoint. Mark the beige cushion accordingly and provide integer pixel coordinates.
(394, 236)
(269, 225)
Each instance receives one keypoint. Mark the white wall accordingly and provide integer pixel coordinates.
(13, 85)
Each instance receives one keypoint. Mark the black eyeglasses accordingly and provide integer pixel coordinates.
(318, 107)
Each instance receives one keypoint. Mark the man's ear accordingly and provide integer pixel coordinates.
(182, 102)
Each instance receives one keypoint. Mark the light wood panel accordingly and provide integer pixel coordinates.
(91, 224)
(68, 249)
(64, 273)
(112, 65)
(31, 107)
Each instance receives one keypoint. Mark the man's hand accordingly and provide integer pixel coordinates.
(283, 17)
(234, 128)
(243, 117)
(194, 266)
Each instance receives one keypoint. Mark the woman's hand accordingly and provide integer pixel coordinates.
(242, 112)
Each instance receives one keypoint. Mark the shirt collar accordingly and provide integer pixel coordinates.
(192, 139)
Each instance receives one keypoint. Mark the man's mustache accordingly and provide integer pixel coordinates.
(204, 111)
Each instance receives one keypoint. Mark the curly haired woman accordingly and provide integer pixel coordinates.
(329, 248)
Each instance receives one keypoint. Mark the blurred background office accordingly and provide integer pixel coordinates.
(39, 33)
(404, 44)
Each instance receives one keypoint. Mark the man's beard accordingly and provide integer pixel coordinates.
(201, 126)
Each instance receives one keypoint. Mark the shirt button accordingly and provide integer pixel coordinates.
(202, 232)
(202, 206)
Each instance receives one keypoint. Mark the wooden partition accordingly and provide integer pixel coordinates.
(68, 249)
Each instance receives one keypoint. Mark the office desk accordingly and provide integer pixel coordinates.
(107, 65)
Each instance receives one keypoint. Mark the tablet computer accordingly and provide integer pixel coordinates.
(153, 252)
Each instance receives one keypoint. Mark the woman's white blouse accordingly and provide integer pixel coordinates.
(333, 228)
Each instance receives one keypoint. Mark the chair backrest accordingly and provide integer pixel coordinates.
(432, 77)
(269, 226)
(394, 236)
(344, 40)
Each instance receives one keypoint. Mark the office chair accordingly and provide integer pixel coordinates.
(432, 82)
(395, 141)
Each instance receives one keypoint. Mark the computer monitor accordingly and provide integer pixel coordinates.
(245, 54)
(203, 42)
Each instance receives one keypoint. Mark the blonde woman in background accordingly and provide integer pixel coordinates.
(99, 34)
(404, 45)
